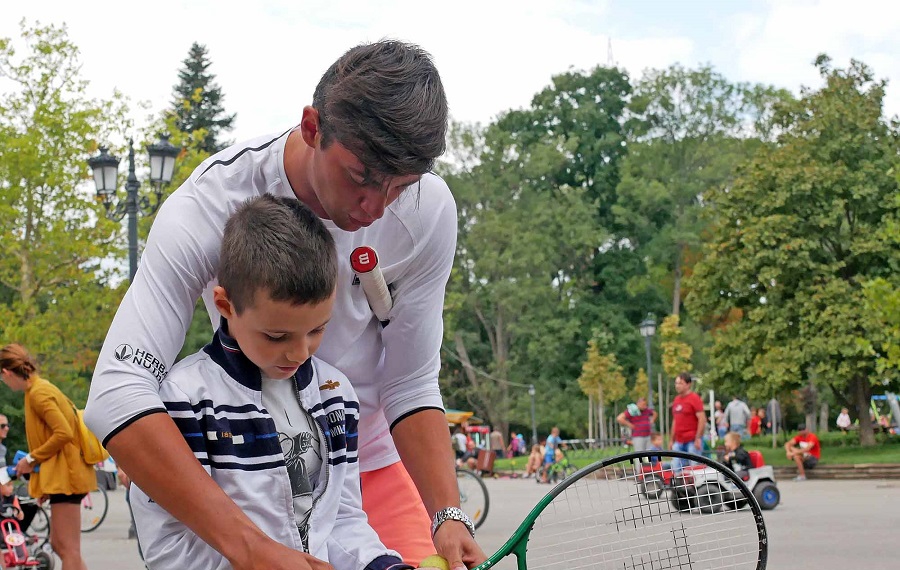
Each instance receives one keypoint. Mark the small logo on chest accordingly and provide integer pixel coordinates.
(329, 385)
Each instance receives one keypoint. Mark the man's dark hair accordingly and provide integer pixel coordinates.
(686, 377)
(386, 104)
(280, 246)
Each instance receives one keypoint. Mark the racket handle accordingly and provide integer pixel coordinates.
(364, 261)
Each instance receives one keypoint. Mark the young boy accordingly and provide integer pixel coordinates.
(656, 444)
(736, 457)
(274, 427)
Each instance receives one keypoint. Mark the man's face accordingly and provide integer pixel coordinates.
(682, 387)
(276, 336)
(339, 181)
(642, 404)
(338, 185)
(4, 427)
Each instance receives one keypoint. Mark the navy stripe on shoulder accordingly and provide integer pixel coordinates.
(201, 405)
(241, 153)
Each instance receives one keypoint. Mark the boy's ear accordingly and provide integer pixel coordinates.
(222, 302)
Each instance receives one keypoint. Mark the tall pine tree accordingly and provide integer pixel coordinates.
(197, 101)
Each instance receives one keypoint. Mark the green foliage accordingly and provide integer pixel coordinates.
(197, 102)
(794, 239)
(883, 301)
(525, 190)
(692, 128)
(601, 376)
(58, 299)
(676, 354)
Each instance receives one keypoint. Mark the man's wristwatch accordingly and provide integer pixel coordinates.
(29, 459)
(451, 514)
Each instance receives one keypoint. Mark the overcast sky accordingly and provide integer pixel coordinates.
(492, 55)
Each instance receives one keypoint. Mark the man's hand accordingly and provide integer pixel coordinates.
(453, 541)
(698, 444)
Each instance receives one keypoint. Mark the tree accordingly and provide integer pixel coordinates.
(676, 354)
(601, 376)
(691, 129)
(883, 301)
(197, 101)
(512, 285)
(793, 242)
(58, 297)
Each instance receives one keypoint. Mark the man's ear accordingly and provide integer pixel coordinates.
(222, 302)
(310, 129)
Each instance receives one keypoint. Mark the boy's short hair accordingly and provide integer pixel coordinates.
(655, 435)
(733, 436)
(386, 104)
(280, 246)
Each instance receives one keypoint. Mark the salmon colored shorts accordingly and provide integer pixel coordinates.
(396, 512)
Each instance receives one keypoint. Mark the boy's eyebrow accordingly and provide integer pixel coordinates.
(274, 331)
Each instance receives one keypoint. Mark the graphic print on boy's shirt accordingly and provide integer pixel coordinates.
(301, 443)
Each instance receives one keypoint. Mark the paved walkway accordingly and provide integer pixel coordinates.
(826, 525)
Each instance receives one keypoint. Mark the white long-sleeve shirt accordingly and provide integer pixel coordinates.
(394, 370)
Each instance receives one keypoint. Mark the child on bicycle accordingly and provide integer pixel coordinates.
(275, 427)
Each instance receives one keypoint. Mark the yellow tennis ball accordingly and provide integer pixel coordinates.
(435, 561)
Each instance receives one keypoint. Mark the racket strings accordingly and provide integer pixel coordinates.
(617, 518)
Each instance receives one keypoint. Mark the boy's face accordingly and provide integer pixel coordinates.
(336, 182)
(730, 444)
(656, 441)
(276, 336)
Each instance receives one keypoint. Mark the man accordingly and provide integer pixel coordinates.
(804, 450)
(640, 421)
(737, 414)
(688, 420)
(497, 444)
(360, 159)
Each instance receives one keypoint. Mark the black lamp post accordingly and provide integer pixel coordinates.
(648, 329)
(106, 169)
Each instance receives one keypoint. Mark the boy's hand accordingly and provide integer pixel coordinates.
(454, 543)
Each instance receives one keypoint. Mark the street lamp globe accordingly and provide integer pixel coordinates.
(162, 160)
(648, 326)
(105, 168)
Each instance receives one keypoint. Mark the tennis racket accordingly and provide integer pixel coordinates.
(364, 261)
(622, 513)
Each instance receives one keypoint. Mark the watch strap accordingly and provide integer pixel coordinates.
(451, 514)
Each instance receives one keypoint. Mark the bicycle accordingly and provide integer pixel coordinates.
(559, 470)
(473, 496)
(94, 507)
